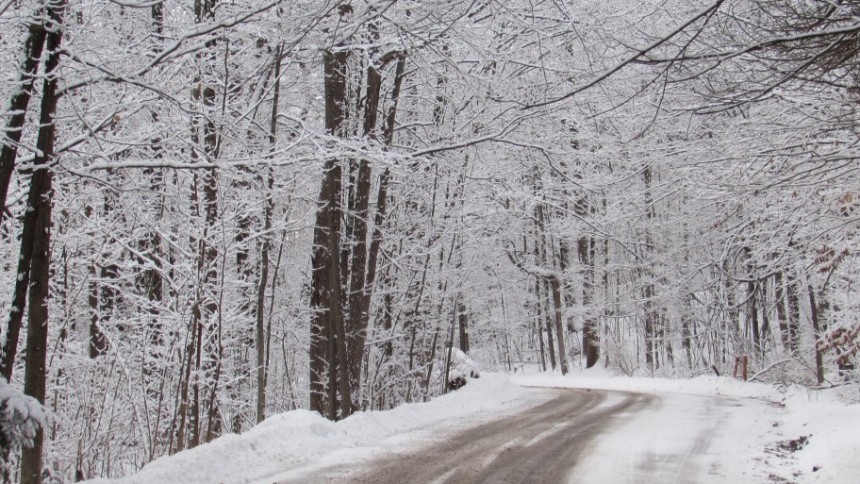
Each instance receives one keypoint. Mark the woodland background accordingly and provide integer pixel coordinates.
(216, 211)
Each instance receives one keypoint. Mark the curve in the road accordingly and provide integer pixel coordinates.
(539, 445)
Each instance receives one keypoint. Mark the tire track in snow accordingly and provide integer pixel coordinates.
(541, 444)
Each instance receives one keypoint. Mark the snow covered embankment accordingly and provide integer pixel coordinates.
(293, 443)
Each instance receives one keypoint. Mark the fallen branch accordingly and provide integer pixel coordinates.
(768, 368)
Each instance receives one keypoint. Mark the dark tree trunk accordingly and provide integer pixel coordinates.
(550, 340)
(39, 203)
(33, 46)
(779, 301)
(753, 304)
(793, 299)
(752, 295)
(262, 364)
(818, 308)
(555, 285)
(590, 333)
(463, 326)
(590, 337)
(540, 322)
(208, 326)
(37, 324)
(541, 249)
(363, 262)
(650, 328)
(356, 322)
(157, 15)
(325, 280)
(98, 340)
(149, 280)
(765, 317)
(260, 339)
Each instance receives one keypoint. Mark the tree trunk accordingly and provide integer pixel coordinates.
(463, 326)
(653, 325)
(325, 280)
(362, 277)
(779, 302)
(539, 323)
(793, 314)
(590, 338)
(753, 304)
(550, 340)
(356, 322)
(39, 202)
(149, 280)
(817, 309)
(555, 285)
(262, 367)
(541, 249)
(752, 315)
(650, 328)
(208, 350)
(33, 46)
(98, 340)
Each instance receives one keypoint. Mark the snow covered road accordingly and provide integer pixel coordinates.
(578, 436)
(586, 428)
(677, 438)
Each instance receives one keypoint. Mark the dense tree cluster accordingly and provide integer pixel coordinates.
(211, 211)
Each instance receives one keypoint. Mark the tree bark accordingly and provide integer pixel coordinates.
(817, 307)
(98, 340)
(779, 301)
(463, 325)
(652, 322)
(555, 285)
(650, 328)
(33, 46)
(262, 366)
(355, 324)
(793, 314)
(539, 323)
(325, 280)
(208, 351)
(541, 254)
(39, 203)
(590, 338)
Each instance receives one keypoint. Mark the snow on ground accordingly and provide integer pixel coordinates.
(754, 433)
(764, 433)
(295, 443)
(831, 426)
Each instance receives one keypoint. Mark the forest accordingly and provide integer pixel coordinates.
(212, 212)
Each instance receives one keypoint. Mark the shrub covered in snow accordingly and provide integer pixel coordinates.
(462, 368)
(20, 417)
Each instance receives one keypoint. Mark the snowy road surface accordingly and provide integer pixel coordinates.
(589, 427)
(586, 436)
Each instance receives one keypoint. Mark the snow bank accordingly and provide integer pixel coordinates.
(831, 452)
(300, 441)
